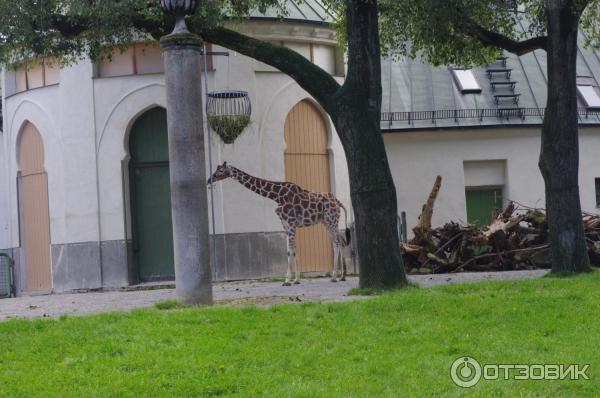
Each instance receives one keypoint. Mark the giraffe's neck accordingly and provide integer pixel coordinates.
(255, 184)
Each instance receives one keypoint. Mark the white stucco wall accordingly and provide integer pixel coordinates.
(417, 157)
(4, 209)
(258, 151)
(63, 114)
(40, 108)
(4, 205)
(118, 103)
(76, 98)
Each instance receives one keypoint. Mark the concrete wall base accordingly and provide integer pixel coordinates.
(117, 263)
(88, 265)
(249, 255)
(76, 266)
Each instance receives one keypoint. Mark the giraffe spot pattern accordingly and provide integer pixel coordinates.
(297, 207)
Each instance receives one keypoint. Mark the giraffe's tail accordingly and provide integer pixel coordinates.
(348, 235)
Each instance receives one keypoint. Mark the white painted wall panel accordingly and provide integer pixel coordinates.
(324, 57)
(35, 76)
(149, 59)
(52, 74)
(120, 65)
(301, 48)
(485, 173)
(76, 96)
(4, 206)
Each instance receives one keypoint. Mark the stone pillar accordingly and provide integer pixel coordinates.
(193, 276)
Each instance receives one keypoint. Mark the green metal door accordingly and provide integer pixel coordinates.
(151, 197)
(481, 204)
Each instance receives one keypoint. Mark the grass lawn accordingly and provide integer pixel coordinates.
(395, 345)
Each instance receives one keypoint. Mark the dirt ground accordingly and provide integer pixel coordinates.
(259, 293)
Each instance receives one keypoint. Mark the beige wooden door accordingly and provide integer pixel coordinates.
(307, 164)
(36, 220)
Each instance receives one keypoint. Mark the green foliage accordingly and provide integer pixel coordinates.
(68, 30)
(338, 9)
(360, 291)
(438, 30)
(394, 345)
(427, 28)
(480, 249)
(590, 24)
(538, 217)
(228, 127)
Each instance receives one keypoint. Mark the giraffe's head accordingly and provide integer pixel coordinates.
(223, 171)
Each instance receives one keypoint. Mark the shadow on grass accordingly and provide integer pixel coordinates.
(569, 274)
(169, 304)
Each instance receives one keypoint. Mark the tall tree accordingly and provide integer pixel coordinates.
(70, 29)
(468, 32)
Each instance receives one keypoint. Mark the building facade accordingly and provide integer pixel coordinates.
(84, 168)
(84, 163)
(480, 130)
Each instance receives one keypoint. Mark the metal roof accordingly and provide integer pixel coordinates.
(311, 11)
(417, 95)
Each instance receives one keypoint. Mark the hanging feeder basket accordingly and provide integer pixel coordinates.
(228, 113)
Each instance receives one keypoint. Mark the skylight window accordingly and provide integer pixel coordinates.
(466, 81)
(590, 96)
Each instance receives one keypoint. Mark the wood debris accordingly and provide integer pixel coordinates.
(516, 239)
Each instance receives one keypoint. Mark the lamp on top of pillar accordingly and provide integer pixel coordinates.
(179, 8)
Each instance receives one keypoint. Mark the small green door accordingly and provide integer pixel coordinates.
(151, 197)
(481, 204)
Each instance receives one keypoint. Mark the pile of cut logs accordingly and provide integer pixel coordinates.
(516, 239)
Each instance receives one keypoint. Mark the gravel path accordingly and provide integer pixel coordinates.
(228, 293)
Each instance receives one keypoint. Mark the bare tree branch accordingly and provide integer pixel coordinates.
(495, 39)
(580, 5)
(68, 27)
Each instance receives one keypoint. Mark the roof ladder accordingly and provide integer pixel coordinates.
(503, 89)
(491, 72)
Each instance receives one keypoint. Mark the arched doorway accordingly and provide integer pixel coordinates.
(35, 215)
(151, 196)
(307, 164)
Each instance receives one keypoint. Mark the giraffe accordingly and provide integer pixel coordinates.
(296, 208)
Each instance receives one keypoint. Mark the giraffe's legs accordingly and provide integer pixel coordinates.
(332, 229)
(291, 245)
(344, 269)
(288, 274)
(336, 259)
(297, 264)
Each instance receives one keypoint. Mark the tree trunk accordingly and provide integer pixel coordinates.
(356, 113)
(422, 230)
(559, 157)
(355, 109)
